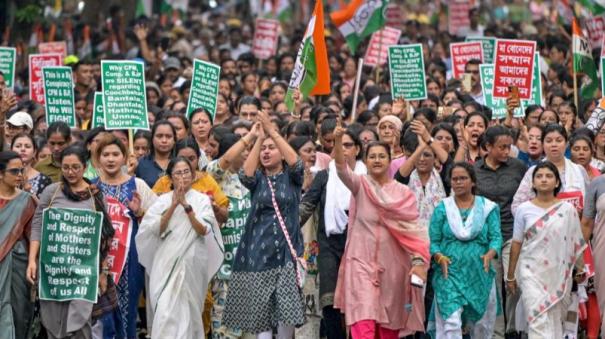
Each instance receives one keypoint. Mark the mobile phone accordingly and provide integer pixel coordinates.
(467, 81)
(514, 92)
(417, 281)
(440, 111)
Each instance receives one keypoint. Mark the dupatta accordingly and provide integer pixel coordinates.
(399, 214)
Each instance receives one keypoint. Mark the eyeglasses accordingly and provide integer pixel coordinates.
(75, 168)
(460, 179)
(15, 171)
(181, 173)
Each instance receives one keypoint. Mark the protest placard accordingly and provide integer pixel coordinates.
(232, 230)
(59, 95)
(498, 106)
(378, 49)
(120, 243)
(204, 87)
(406, 65)
(69, 254)
(266, 38)
(124, 96)
(514, 67)
(98, 118)
(54, 47)
(462, 52)
(458, 16)
(394, 16)
(36, 83)
(8, 55)
(595, 27)
(489, 48)
(536, 88)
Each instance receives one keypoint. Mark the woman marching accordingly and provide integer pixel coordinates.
(179, 244)
(465, 237)
(131, 197)
(547, 243)
(264, 291)
(16, 212)
(384, 264)
(331, 198)
(73, 318)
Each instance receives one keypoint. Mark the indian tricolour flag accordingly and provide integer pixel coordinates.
(583, 62)
(311, 74)
(359, 19)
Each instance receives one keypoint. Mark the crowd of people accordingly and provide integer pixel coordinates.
(389, 219)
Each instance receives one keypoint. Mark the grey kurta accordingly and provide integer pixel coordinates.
(69, 317)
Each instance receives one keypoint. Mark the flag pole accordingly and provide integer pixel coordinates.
(575, 75)
(356, 91)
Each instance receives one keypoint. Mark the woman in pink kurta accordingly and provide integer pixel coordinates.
(385, 247)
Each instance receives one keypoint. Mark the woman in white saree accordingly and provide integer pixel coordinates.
(180, 246)
(547, 243)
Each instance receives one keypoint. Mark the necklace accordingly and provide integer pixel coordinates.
(463, 204)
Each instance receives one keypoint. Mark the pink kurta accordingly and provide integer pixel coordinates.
(373, 280)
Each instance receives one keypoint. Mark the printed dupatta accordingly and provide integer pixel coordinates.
(550, 249)
(427, 197)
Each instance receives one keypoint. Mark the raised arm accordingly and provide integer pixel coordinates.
(251, 163)
(286, 151)
(422, 133)
(249, 139)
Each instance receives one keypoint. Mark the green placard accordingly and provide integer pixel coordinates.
(98, 118)
(124, 96)
(489, 48)
(406, 65)
(498, 106)
(8, 55)
(59, 95)
(69, 254)
(536, 86)
(232, 232)
(204, 87)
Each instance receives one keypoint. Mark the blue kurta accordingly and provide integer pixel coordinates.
(263, 290)
(467, 285)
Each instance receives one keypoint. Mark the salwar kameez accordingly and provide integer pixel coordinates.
(464, 298)
(121, 323)
(595, 209)
(16, 310)
(383, 237)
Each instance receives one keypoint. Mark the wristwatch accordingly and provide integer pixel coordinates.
(188, 209)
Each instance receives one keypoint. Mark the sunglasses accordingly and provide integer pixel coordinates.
(15, 171)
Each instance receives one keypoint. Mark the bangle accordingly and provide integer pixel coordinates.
(510, 280)
(417, 261)
(441, 258)
(105, 270)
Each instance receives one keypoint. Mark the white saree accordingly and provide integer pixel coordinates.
(180, 264)
(551, 247)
